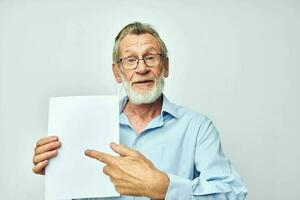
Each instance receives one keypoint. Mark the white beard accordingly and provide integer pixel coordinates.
(145, 97)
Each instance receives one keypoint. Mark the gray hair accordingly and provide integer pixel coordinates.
(138, 28)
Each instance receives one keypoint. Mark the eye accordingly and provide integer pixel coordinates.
(149, 58)
(131, 60)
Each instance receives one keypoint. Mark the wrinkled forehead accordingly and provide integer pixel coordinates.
(140, 42)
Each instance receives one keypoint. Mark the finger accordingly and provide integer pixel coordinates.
(44, 156)
(47, 147)
(40, 167)
(46, 140)
(101, 156)
(123, 150)
(115, 181)
(113, 172)
(107, 170)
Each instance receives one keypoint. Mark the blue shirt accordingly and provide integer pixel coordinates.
(185, 145)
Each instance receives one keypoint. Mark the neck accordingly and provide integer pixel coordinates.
(145, 112)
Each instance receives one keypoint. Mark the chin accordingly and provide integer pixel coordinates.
(144, 97)
(140, 96)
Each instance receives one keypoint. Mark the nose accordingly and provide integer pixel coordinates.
(141, 67)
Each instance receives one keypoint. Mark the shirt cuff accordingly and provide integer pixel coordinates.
(179, 188)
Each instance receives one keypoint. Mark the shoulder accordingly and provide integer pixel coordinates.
(197, 126)
(193, 117)
(184, 114)
(203, 127)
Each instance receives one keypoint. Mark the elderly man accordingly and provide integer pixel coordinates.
(166, 151)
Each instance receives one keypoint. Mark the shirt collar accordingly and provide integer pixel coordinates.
(167, 106)
(122, 104)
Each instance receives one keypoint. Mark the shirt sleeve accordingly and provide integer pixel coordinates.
(215, 178)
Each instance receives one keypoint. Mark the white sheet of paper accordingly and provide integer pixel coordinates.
(81, 122)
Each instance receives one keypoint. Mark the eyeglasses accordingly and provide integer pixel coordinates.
(150, 60)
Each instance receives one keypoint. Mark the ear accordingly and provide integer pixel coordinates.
(116, 72)
(166, 65)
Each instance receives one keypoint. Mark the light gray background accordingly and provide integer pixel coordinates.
(235, 61)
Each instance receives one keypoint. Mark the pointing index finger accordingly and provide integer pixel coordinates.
(101, 156)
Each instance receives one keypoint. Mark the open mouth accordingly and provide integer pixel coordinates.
(143, 82)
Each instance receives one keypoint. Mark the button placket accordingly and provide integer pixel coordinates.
(135, 143)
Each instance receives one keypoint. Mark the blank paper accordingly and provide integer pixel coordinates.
(81, 122)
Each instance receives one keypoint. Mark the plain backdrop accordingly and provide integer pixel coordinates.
(235, 61)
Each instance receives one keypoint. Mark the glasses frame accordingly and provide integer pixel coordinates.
(138, 60)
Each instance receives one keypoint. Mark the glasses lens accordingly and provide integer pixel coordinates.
(129, 63)
(152, 60)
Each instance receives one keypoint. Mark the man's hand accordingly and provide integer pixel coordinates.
(45, 149)
(132, 173)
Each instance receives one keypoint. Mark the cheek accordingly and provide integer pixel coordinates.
(128, 76)
(158, 73)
